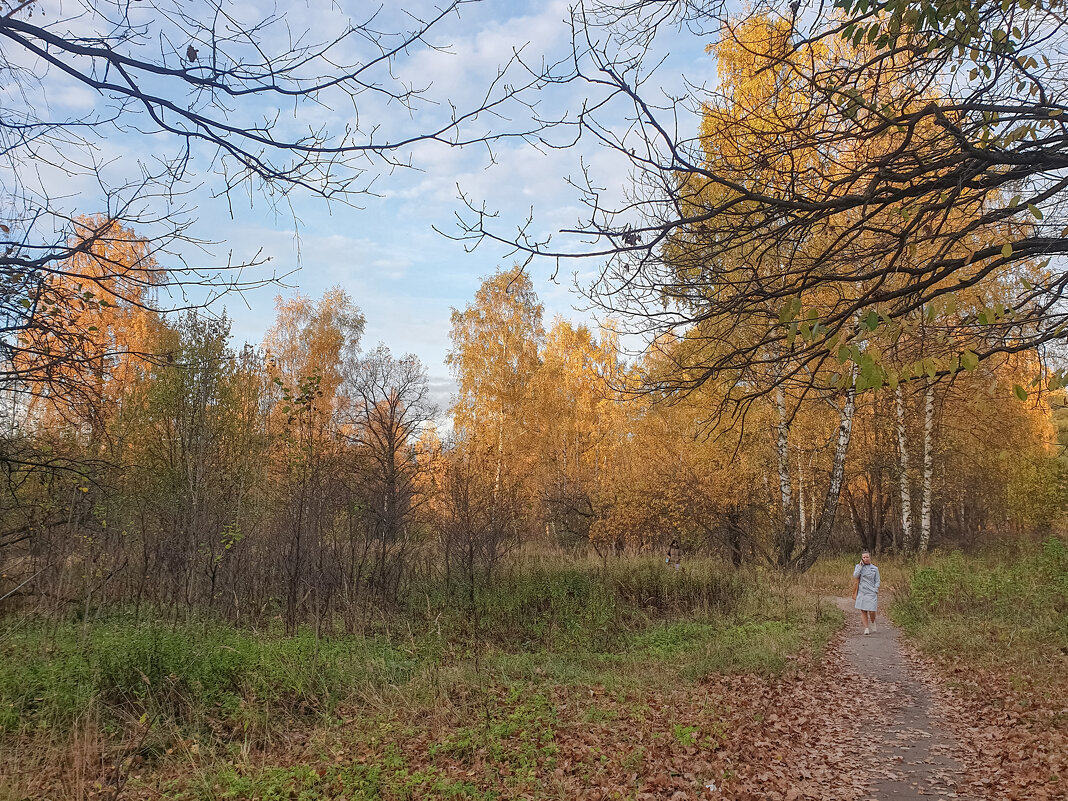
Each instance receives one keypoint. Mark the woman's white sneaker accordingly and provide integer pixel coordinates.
(866, 631)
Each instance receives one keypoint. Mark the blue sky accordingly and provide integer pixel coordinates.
(405, 277)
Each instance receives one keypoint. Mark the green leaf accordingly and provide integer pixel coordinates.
(1035, 211)
(871, 320)
(1021, 393)
(1006, 250)
(969, 360)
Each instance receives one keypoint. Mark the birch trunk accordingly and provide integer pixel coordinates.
(903, 469)
(822, 532)
(802, 526)
(928, 468)
(787, 537)
(500, 454)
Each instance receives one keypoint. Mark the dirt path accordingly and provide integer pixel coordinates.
(910, 753)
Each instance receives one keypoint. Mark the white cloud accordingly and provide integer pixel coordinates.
(403, 276)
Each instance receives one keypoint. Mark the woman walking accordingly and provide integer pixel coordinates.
(866, 591)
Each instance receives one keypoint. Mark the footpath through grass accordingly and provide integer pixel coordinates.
(997, 624)
(436, 701)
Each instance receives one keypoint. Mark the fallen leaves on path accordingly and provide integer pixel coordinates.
(1014, 737)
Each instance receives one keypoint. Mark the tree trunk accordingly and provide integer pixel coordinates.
(500, 454)
(788, 534)
(822, 532)
(928, 468)
(856, 521)
(802, 527)
(903, 472)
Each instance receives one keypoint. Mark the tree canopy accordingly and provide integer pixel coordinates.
(855, 169)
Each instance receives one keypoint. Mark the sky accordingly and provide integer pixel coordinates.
(405, 276)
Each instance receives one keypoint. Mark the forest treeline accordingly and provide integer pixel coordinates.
(155, 465)
(870, 367)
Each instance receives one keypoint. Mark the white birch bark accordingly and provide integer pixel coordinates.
(500, 454)
(822, 532)
(903, 470)
(785, 488)
(802, 526)
(928, 468)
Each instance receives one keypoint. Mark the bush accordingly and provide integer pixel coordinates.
(594, 608)
(117, 668)
(52, 678)
(981, 606)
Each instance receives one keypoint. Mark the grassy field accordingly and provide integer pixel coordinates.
(564, 677)
(1004, 609)
(437, 702)
(996, 625)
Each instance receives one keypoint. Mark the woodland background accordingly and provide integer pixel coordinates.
(278, 570)
(307, 479)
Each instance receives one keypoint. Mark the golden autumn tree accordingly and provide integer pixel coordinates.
(670, 475)
(494, 356)
(730, 301)
(578, 420)
(314, 341)
(90, 326)
(310, 349)
(982, 460)
(798, 309)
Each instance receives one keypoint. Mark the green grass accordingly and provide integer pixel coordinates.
(355, 781)
(231, 713)
(569, 624)
(506, 745)
(588, 607)
(51, 677)
(701, 648)
(1009, 614)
